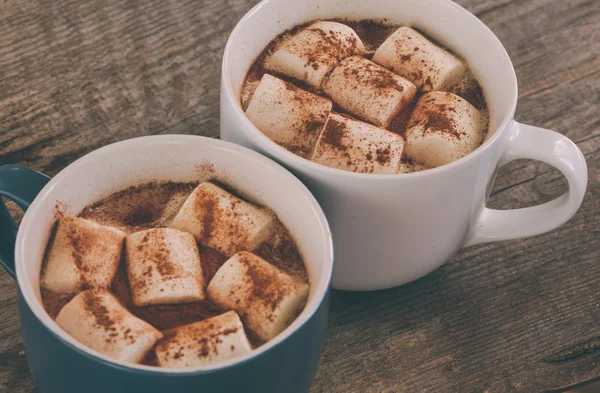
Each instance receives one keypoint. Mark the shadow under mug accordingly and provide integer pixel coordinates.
(392, 229)
(60, 364)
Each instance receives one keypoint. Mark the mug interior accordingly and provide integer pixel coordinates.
(443, 20)
(176, 158)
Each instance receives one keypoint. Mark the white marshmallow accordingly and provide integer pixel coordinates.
(97, 319)
(356, 146)
(266, 298)
(82, 255)
(443, 128)
(198, 344)
(288, 115)
(368, 90)
(163, 267)
(310, 54)
(409, 54)
(222, 221)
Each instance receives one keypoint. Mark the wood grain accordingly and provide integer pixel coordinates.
(518, 316)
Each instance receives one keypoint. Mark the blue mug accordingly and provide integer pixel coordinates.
(60, 364)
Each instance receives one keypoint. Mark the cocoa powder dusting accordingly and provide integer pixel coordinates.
(154, 246)
(283, 253)
(383, 155)
(474, 94)
(302, 151)
(211, 261)
(80, 244)
(54, 302)
(204, 350)
(208, 207)
(333, 134)
(309, 122)
(312, 127)
(371, 74)
(263, 288)
(59, 210)
(290, 87)
(428, 83)
(93, 304)
(140, 207)
(150, 359)
(280, 250)
(229, 331)
(205, 170)
(138, 218)
(329, 49)
(401, 120)
(373, 33)
(439, 122)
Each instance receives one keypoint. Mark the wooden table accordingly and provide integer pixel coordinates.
(519, 316)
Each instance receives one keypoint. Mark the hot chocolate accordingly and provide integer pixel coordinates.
(396, 89)
(159, 265)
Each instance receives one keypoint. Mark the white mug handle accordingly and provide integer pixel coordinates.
(539, 144)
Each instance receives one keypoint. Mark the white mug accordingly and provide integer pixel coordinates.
(392, 229)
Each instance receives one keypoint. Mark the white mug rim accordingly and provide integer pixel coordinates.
(31, 300)
(285, 156)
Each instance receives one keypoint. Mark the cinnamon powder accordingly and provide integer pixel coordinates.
(333, 134)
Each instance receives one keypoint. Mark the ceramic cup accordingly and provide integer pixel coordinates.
(60, 364)
(392, 229)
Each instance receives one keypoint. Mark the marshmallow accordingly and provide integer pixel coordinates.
(407, 53)
(368, 90)
(310, 54)
(266, 298)
(97, 319)
(198, 344)
(288, 115)
(355, 146)
(82, 255)
(163, 267)
(443, 128)
(222, 221)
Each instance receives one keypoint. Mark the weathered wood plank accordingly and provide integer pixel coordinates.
(519, 316)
